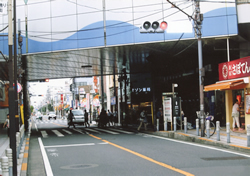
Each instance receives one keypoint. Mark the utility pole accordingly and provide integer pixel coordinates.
(197, 26)
(197, 19)
(11, 92)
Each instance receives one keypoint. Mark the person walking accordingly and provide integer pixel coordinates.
(110, 118)
(86, 118)
(7, 124)
(143, 119)
(235, 115)
(70, 119)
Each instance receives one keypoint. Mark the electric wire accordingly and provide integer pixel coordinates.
(39, 36)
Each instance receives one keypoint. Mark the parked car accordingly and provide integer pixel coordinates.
(78, 117)
(52, 115)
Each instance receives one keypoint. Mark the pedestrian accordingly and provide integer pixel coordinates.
(110, 118)
(70, 119)
(7, 124)
(159, 114)
(86, 118)
(103, 118)
(235, 115)
(143, 120)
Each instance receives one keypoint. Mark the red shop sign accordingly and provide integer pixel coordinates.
(235, 69)
(61, 98)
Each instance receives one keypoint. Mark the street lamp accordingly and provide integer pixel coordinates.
(173, 86)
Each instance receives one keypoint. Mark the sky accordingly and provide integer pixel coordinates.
(40, 88)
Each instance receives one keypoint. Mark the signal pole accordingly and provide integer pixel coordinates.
(11, 92)
(197, 19)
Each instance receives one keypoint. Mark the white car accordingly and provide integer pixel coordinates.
(78, 117)
(52, 115)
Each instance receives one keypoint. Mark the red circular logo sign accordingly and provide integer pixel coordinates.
(225, 71)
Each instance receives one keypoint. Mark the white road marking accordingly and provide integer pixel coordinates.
(58, 133)
(44, 134)
(67, 131)
(198, 145)
(107, 131)
(70, 145)
(45, 159)
(88, 129)
(79, 131)
(36, 127)
(127, 132)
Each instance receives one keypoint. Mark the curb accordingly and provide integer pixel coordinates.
(200, 140)
(24, 165)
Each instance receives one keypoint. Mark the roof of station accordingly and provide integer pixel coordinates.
(87, 62)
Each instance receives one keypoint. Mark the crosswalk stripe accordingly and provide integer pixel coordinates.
(79, 131)
(44, 134)
(58, 133)
(88, 129)
(67, 131)
(127, 132)
(107, 131)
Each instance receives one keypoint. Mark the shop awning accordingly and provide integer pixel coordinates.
(236, 84)
(66, 107)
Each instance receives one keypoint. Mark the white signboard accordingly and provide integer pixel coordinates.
(167, 109)
(3, 7)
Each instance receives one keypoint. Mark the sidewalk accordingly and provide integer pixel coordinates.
(238, 139)
(4, 141)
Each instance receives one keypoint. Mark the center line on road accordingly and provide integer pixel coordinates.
(147, 158)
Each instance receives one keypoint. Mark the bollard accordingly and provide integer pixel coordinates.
(208, 128)
(8, 153)
(174, 124)
(166, 125)
(157, 127)
(20, 158)
(228, 132)
(248, 135)
(185, 124)
(5, 166)
(218, 130)
(197, 127)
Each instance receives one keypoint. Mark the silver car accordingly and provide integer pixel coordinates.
(78, 117)
(52, 115)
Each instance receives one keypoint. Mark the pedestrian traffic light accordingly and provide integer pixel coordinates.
(155, 27)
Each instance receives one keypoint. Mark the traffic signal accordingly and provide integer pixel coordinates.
(155, 27)
(44, 80)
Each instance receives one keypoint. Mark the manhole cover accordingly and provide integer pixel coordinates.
(224, 158)
(79, 166)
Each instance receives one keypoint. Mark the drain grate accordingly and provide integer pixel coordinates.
(224, 158)
(79, 166)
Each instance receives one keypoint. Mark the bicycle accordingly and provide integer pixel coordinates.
(211, 123)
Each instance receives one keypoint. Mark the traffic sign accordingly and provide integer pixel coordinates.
(19, 87)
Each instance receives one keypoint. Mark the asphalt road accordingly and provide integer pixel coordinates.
(57, 150)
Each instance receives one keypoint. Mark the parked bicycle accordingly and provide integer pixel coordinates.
(211, 123)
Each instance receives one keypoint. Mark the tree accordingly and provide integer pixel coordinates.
(31, 108)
